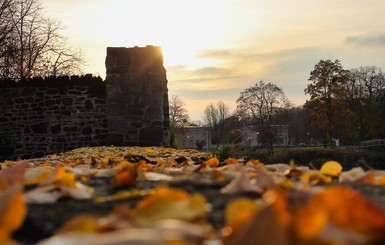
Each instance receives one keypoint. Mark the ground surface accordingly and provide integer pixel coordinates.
(220, 183)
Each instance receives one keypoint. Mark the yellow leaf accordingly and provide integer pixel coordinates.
(331, 168)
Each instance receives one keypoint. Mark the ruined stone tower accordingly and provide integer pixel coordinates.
(137, 97)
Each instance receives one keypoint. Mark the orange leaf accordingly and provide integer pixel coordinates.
(125, 177)
(309, 221)
(231, 160)
(212, 162)
(382, 180)
(239, 212)
(12, 211)
(278, 199)
(348, 208)
(64, 177)
(255, 162)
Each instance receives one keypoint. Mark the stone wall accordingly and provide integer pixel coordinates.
(42, 116)
(137, 96)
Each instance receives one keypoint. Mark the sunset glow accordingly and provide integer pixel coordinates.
(213, 49)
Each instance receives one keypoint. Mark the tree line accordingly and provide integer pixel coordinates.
(348, 105)
(31, 43)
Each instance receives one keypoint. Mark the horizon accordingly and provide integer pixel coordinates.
(215, 49)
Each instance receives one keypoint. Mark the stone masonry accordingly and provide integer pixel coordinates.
(137, 96)
(43, 116)
(39, 116)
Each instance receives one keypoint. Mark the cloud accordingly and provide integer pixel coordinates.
(238, 69)
(367, 40)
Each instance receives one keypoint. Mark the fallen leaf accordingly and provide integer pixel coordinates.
(212, 162)
(126, 175)
(241, 183)
(169, 203)
(231, 160)
(12, 211)
(349, 209)
(331, 168)
(239, 212)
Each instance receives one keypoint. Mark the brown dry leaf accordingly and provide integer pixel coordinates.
(241, 183)
(13, 175)
(53, 192)
(264, 228)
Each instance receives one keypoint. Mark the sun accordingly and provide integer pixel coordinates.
(183, 28)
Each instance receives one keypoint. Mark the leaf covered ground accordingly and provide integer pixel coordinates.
(155, 195)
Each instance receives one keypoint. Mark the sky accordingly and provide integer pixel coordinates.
(215, 49)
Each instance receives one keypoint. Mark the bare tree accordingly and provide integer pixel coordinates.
(6, 25)
(215, 117)
(365, 98)
(260, 107)
(178, 113)
(34, 45)
(178, 118)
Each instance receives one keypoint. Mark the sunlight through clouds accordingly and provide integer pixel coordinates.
(213, 49)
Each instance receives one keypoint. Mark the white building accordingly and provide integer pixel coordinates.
(192, 137)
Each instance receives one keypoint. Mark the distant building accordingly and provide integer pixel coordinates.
(251, 137)
(194, 137)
